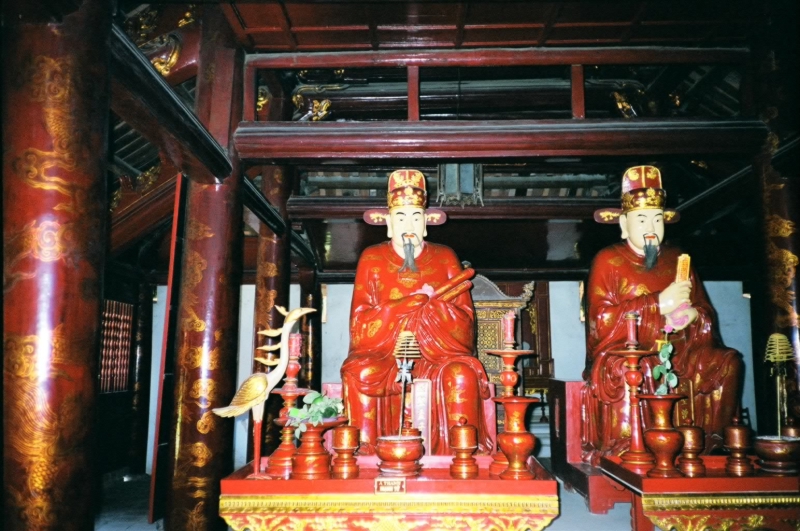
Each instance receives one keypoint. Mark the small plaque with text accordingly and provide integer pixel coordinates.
(390, 485)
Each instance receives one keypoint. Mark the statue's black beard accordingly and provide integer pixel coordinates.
(650, 255)
(409, 263)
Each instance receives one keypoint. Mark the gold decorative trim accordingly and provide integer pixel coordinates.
(320, 110)
(510, 305)
(160, 63)
(298, 99)
(262, 99)
(350, 503)
(188, 17)
(682, 502)
(283, 522)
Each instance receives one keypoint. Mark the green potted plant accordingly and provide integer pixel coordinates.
(663, 371)
(316, 408)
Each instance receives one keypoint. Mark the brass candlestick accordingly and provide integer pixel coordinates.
(509, 379)
(280, 462)
(636, 457)
(693, 443)
(737, 441)
(464, 442)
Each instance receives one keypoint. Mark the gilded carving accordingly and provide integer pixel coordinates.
(204, 389)
(196, 519)
(197, 230)
(782, 262)
(201, 454)
(385, 522)
(262, 99)
(41, 434)
(269, 269)
(206, 422)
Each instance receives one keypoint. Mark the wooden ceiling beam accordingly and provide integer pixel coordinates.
(307, 208)
(271, 141)
(142, 98)
(646, 55)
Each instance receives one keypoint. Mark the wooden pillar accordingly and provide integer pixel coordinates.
(55, 127)
(578, 91)
(776, 308)
(208, 311)
(311, 328)
(273, 274)
(140, 378)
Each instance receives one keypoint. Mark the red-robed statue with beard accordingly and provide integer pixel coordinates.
(395, 290)
(639, 274)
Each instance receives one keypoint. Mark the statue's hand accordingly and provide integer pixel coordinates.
(682, 317)
(673, 296)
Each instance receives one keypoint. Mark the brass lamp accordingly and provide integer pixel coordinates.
(779, 351)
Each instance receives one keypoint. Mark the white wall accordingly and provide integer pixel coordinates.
(159, 309)
(733, 312)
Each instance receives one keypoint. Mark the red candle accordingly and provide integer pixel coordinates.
(508, 328)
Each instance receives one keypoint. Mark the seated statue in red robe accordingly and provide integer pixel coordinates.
(639, 275)
(395, 289)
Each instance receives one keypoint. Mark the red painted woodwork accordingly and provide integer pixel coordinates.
(206, 338)
(717, 498)
(413, 93)
(273, 271)
(431, 498)
(160, 440)
(185, 67)
(500, 57)
(601, 494)
(352, 25)
(311, 328)
(138, 215)
(308, 208)
(426, 140)
(55, 132)
(578, 92)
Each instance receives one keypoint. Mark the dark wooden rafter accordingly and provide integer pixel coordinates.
(286, 27)
(551, 17)
(461, 16)
(488, 139)
(637, 17)
(307, 208)
(705, 206)
(141, 97)
(500, 57)
(266, 213)
(263, 210)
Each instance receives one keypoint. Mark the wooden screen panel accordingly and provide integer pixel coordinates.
(115, 349)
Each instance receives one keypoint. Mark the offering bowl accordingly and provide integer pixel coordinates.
(779, 455)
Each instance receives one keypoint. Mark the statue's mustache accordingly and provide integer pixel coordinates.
(408, 251)
(650, 250)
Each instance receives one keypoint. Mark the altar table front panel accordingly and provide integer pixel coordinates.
(715, 501)
(434, 501)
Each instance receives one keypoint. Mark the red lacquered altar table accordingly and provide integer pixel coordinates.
(431, 501)
(715, 501)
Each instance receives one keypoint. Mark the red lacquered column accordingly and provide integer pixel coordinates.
(208, 313)
(273, 271)
(55, 126)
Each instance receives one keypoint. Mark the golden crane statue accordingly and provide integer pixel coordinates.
(256, 389)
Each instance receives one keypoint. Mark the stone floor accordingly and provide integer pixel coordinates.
(126, 499)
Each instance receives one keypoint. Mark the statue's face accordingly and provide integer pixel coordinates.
(406, 222)
(643, 227)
